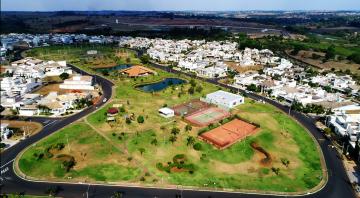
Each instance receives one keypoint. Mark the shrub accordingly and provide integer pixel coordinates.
(285, 162)
(140, 119)
(159, 166)
(191, 90)
(128, 120)
(178, 156)
(64, 76)
(199, 88)
(276, 170)
(265, 171)
(48, 155)
(197, 146)
(68, 164)
(59, 146)
(2, 145)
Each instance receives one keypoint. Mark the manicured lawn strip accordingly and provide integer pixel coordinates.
(107, 172)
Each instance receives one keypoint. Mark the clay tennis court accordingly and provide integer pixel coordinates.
(229, 133)
(189, 107)
(207, 116)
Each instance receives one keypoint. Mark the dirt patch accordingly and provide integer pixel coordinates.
(64, 157)
(266, 161)
(177, 170)
(242, 69)
(45, 90)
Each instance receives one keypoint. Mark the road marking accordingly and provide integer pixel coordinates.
(4, 170)
(7, 163)
(50, 123)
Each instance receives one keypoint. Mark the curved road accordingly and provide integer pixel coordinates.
(337, 186)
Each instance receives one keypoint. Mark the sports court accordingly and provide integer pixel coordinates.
(229, 133)
(189, 107)
(207, 116)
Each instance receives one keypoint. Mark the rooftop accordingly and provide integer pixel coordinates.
(137, 70)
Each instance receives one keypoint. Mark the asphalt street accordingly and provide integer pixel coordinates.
(337, 186)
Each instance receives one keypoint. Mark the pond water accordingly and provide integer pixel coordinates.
(114, 68)
(158, 86)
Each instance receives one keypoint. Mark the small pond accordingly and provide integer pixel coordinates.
(114, 68)
(158, 86)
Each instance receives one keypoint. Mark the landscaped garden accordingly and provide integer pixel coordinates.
(139, 146)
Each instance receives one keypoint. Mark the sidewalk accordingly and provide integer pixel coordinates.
(353, 173)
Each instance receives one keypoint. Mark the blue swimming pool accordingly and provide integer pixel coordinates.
(158, 86)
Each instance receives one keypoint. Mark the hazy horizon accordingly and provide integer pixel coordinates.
(184, 5)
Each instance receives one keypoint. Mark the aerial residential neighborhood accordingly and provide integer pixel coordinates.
(180, 99)
(27, 75)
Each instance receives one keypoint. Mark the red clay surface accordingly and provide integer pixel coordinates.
(207, 116)
(229, 133)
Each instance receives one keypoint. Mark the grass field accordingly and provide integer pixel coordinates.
(146, 153)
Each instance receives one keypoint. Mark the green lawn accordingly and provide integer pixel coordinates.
(91, 152)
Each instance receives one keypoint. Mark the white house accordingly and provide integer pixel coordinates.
(212, 72)
(224, 99)
(166, 112)
(78, 83)
(5, 131)
(28, 110)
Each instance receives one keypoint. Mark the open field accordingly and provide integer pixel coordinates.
(147, 152)
(343, 65)
(107, 55)
(95, 158)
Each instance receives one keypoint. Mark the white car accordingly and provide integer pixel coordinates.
(104, 100)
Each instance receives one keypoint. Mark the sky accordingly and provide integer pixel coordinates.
(178, 5)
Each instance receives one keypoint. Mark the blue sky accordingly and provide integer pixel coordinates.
(207, 5)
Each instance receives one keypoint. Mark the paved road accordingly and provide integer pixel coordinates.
(337, 186)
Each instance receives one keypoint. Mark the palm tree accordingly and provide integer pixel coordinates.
(175, 131)
(141, 150)
(190, 140)
(172, 138)
(188, 127)
(154, 142)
